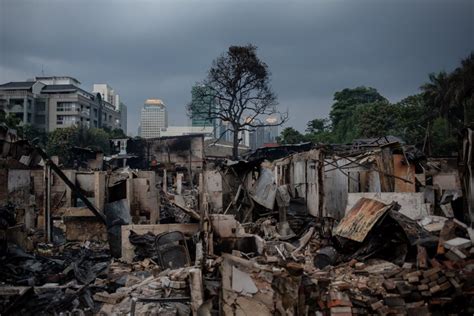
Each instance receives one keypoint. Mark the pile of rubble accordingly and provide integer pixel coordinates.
(372, 229)
(331, 268)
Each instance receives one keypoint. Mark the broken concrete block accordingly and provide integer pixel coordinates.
(470, 232)
(341, 311)
(455, 254)
(242, 282)
(457, 242)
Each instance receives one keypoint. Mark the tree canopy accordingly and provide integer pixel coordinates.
(431, 120)
(290, 135)
(239, 82)
(346, 105)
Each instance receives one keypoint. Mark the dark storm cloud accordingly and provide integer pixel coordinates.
(160, 48)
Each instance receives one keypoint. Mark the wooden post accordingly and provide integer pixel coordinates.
(164, 183)
(47, 203)
(179, 183)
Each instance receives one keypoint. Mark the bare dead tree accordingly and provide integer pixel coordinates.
(237, 92)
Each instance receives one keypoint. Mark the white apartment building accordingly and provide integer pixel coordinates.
(108, 94)
(153, 118)
(55, 102)
(111, 96)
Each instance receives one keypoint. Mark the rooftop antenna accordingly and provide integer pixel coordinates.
(42, 70)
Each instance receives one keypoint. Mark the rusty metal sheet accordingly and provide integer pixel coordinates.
(361, 218)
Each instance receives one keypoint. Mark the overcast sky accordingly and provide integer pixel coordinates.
(159, 49)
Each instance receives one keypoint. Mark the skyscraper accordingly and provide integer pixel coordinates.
(123, 117)
(202, 105)
(153, 118)
(264, 135)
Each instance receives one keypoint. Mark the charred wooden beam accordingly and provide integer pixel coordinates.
(71, 185)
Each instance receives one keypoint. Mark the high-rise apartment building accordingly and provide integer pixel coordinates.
(108, 94)
(55, 102)
(153, 118)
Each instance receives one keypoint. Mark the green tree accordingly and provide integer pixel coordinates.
(373, 119)
(436, 93)
(344, 108)
(60, 142)
(318, 125)
(462, 90)
(412, 119)
(319, 131)
(114, 133)
(33, 134)
(9, 119)
(289, 135)
(94, 138)
(444, 143)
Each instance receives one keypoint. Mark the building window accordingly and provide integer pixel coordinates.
(67, 120)
(68, 107)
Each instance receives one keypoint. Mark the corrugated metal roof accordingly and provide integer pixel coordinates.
(359, 221)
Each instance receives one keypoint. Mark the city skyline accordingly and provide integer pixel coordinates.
(140, 56)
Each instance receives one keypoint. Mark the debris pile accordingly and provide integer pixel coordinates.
(370, 228)
(384, 288)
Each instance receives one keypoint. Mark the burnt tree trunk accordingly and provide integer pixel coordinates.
(235, 144)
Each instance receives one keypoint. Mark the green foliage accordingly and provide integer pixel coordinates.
(449, 97)
(114, 133)
(33, 134)
(318, 125)
(289, 135)
(411, 120)
(62, 140)
(95, 139)
(319, 131)
(462, 89)
(435, 93)
(27, 131)
(373, 119)
(444, 143)
(344, 108)
(432, 120)
(9, 119)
